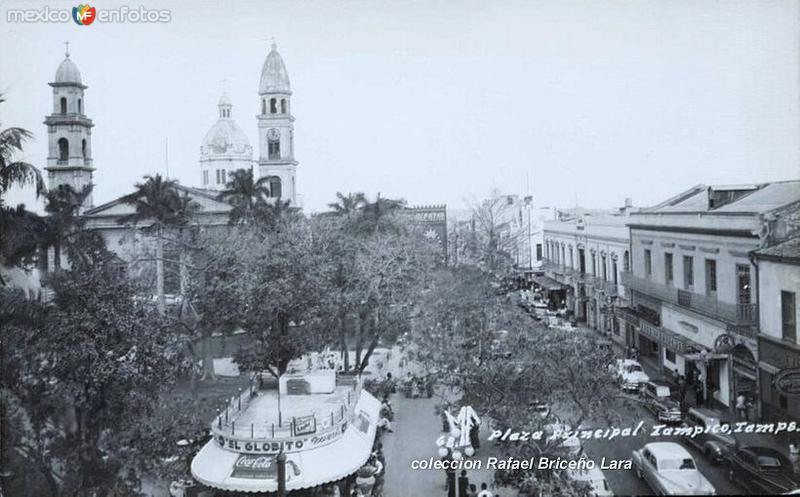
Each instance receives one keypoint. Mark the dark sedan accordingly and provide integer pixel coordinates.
(762, 470)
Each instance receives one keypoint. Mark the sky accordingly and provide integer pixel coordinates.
(434, 101)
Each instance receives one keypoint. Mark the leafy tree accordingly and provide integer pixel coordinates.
(496, 236)
(85, 370)
(492, 356)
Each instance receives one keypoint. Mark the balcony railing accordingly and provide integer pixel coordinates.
(736, 315)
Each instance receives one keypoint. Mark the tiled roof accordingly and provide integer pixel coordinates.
(789, 249)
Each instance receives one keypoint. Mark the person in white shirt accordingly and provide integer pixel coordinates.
(484, 491)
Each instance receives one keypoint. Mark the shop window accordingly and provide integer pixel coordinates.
(670, 355)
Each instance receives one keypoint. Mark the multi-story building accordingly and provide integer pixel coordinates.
(778, 287)
(586, 253)
(693, 308)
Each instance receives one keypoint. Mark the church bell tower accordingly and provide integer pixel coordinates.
(69, 132)
(276, 129)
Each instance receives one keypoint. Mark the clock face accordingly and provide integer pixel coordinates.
(273, 134)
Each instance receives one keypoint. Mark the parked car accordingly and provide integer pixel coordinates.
(762, 470)
(658, 400)
(594, 478)
(631, 374)
(714, 446)
(669, 469)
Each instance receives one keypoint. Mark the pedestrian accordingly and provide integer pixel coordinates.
(450, 475)
(484, 491)
(463, 484)
(741, 406)
(472, 491)
(474, 436)
(794, 457)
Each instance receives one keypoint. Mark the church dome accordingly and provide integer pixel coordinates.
(68, 72)
(226, 137)
(274, 78)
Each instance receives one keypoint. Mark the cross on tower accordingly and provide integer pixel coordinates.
(66, 44)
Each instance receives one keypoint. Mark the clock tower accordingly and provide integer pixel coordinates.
(276, 129)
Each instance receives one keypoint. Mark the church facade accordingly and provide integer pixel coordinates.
(226, 148)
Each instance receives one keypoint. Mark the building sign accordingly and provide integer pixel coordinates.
(251, 446)
(787, 382)
(263, 468)
(305, 425)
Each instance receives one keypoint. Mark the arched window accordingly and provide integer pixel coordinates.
(63, 149)
(626, 262)
(275, 187)
(274, 149)
(63, 105)
(80, 106)
(283, 106)
(263, 105)
(273, 106)
(83, 148)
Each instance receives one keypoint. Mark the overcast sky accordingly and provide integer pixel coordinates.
(438, 101)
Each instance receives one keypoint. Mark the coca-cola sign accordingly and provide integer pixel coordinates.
(263, 468)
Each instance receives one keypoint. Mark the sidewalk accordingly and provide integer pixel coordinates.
(650, 365)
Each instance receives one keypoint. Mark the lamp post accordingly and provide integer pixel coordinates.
(281, 459)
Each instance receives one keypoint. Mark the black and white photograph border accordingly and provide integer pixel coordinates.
(399, 248)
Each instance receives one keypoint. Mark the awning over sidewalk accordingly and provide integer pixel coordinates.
(243, 472)
(548, 283)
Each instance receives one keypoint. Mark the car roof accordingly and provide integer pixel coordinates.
(667, 450)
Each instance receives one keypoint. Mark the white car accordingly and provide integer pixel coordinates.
(632, 375)
(669, 469)
(598, 485)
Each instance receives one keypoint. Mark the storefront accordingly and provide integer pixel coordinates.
(779, 368)
(329, 443)
(555, 292)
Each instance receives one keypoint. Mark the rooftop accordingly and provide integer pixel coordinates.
(730, 199)
(788, 250)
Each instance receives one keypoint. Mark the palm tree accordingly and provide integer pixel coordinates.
(376, 216)
(63, 206)
(243, 192)
(16, 172)
(156, 200)
(348, 205)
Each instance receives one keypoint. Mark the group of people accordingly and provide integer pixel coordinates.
(461, 487)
